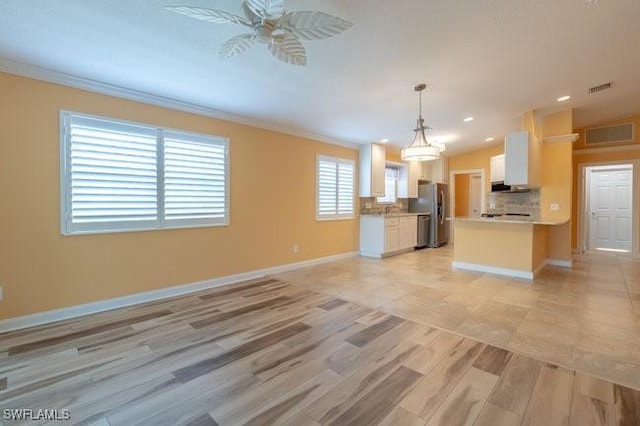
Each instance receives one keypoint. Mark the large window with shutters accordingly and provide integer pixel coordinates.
(335, 189)
(120, 176)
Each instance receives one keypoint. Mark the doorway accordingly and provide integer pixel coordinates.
(475, 195)
(467, 194)
(609, 207)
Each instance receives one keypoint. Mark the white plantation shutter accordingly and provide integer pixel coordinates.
(113, 178)
(345, 189)
(335, 188)
(120, 176)
(194, 179)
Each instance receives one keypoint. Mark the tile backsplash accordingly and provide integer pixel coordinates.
(523, 202)
(371, 206)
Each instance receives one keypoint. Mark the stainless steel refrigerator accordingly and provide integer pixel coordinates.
(433, 198)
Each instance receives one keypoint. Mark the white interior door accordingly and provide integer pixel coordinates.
(610, 205)
(475, 195)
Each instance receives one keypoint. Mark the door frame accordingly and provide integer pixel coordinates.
(582, 220)
(452, 194)
(471, 193)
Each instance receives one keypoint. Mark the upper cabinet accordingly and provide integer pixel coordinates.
(517, 170)
(372, 165)
(497, 168)
(424, 170)
(434, 171)
(439, 170)
(408, 183)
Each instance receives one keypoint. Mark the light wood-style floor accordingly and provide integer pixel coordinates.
(273, 351)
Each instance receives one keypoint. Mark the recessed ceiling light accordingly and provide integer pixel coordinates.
(385, 140)
(564, 98)
(468, 119)
(490, 139)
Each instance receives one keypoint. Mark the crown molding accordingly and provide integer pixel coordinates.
(571, 137)
(633, 147)
(52, 76)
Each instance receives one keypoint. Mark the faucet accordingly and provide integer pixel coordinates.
(390, 209)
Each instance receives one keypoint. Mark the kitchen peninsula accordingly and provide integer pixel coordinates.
(513, 247)
(537, 162)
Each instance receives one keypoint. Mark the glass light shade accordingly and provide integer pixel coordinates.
(441, 147)
(420, 149)
(420, 153)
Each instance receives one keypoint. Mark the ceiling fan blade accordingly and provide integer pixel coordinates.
(288, 49)
(236, 45)
(249, 14)
(308, 25)
(267, 9)
(209, 15)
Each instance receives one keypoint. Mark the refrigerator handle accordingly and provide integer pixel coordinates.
(443, 208)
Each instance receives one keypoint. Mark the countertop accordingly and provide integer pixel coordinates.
(517, 219)
(395, 214)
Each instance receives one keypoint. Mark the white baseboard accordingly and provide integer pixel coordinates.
(149, 296)
(516, 273)
(371, 255)
(559, 262)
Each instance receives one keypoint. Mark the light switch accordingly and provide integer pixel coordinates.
(555, 207)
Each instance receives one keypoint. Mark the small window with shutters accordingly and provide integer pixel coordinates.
(335, 188)
(118, 176)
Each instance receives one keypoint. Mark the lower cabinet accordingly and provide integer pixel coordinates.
(391, 234)
(408, 232)
(386, 235)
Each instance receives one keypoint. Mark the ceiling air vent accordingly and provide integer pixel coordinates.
(600, 88)
(610, 134)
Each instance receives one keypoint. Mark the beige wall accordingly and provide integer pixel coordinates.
(500, 245)
(533, 122)
(478, 159)
(272, 197)
(462, 195)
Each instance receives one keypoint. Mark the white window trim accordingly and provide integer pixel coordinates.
(337, 160)
(65, 181)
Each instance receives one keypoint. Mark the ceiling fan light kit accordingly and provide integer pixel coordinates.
(281, 31)
(420, 149)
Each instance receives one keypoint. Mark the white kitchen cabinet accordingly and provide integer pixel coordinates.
(439, 170)
(516, 158)
(424, 170)
(391, 239)
(435, 171)
(497, 168)
(382, 236)
(408, 182)
(372, 165)
(408, 235)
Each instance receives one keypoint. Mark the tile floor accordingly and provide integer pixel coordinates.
(586, 318)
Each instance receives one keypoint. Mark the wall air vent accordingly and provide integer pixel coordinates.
(600, 88)
(609, 135)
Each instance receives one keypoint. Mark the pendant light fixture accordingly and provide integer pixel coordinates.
(420, 149)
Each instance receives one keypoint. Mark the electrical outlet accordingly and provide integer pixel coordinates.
(296, 248)
(555, 207)
(1, 294)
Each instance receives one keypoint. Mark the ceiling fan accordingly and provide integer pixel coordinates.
(281, 31)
